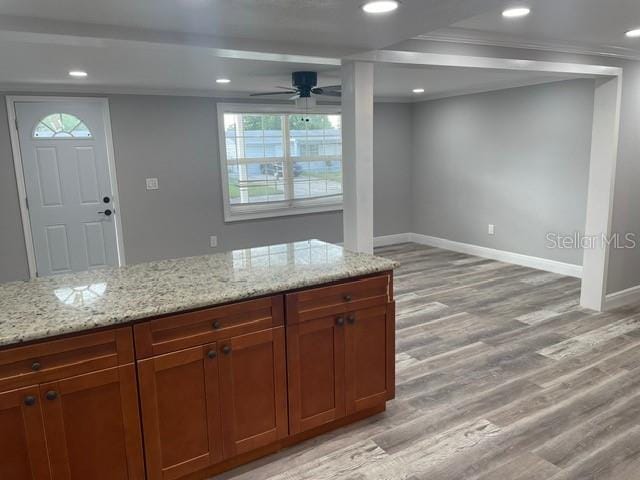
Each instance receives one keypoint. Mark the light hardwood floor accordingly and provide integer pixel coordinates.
(500, 375)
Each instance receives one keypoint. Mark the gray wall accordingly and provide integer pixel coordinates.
(175, 139)
(517, 158)
(624, 264)
(392, 153)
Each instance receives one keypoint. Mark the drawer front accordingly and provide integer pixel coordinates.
(58, 359)
(325, 301)
(177, 332)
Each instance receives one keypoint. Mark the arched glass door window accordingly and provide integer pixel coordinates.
(61, 125)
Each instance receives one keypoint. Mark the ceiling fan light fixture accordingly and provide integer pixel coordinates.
(516, 12)
(635, 33)
(380, 6)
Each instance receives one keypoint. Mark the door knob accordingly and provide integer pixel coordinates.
(107, 212)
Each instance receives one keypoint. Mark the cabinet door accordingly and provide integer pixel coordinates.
(92, 426)
(316, 356)
(180, 412)
(368, 338)
(23, 454)
(253, 390)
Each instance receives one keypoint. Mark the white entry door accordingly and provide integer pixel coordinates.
(70, 195)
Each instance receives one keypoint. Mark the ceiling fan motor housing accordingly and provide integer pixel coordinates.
(304, 82)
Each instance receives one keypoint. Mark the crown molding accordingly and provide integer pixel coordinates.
(476, 37)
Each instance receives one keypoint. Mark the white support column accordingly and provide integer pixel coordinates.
(602, 172)
(357, 155)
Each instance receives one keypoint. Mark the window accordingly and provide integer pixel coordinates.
(278, 162)
(61, 125)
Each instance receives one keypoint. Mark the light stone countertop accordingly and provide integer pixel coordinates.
(51, 306)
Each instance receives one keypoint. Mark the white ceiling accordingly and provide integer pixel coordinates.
(181, 46)
(597, 25)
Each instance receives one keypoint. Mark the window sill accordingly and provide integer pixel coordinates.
(230, 217)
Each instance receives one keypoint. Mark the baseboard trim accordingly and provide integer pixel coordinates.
(538, 263)
(386, 240)
(622, 298)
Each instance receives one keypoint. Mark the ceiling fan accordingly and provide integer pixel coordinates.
(304, 84)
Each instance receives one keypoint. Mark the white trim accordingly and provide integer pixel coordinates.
(20, 181)
(395, 239)
(538, 263)
(621, 298)
(475, 37)
(302, 207)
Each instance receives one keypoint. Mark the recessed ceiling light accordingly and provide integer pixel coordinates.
(516, 12)
(223, 80)
(633, 33)
(78, 73)
(380, 6)
(418, 90)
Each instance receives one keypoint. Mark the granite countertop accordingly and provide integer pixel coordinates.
(50, 306)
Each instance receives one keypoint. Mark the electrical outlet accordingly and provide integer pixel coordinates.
(213, 241)
(492, 229)
(152, 184)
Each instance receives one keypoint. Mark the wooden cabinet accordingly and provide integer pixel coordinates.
(92, 427)
(217, 386)
(253, 391)
(180, 403)
(22, 442)
(339, 366)
(209, 403)
(71, 427)
(315, 363)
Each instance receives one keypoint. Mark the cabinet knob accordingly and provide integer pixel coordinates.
(347, 298)
(216, 325)
(30, 401)
(212, 354)
(351, 319)
(51, 395)
(340, 321)
(226, 349)
(35, 366)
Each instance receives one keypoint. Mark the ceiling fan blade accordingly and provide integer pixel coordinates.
(286, 88)
(332, 87)
(329, 93)
(271, 93)
(295, 97)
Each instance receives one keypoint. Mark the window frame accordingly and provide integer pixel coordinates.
(272, 209)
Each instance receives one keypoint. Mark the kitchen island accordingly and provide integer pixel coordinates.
(185, 368)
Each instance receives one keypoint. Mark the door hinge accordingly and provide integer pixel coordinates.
(26, 202)
(15, 120)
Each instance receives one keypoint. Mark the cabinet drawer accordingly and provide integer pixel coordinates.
(177, 332)
(57, 359)
(321, 302)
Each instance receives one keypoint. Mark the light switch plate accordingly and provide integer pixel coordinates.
(213, 241)
(152, 184)
(492, 229)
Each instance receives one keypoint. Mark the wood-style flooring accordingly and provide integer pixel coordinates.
(500, 375)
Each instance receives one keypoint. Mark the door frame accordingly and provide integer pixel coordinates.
(20, 180)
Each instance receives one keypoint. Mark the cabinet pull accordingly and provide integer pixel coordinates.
(30, 401)
(216, 325)
(35, 366)
(226, 349)
(347, 298)
(340, 321)
(351, 319)
(212, 354)
(51, 395)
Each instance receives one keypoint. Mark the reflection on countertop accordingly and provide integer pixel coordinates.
(56, 305)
